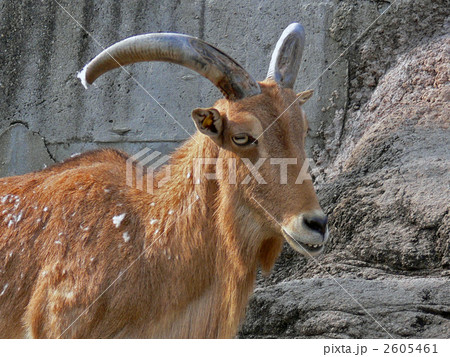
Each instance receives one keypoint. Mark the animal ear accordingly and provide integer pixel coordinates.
(303, 97)
(209, 122)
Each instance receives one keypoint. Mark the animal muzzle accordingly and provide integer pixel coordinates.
(307, 233)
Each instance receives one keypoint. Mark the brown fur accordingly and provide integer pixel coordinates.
(60, 250)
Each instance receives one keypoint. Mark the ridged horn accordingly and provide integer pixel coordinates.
(287, 56)
(233, 81)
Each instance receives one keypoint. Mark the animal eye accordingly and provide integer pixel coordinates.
(244, 139)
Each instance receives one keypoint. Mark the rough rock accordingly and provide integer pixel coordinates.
(350, 308)
(386, 190)
(22, 151)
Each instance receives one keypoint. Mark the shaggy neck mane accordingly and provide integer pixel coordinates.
(188, 229)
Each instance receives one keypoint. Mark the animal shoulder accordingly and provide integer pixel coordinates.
(107, 166)
(95, 158)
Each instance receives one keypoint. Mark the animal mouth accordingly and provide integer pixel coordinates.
(307, 249)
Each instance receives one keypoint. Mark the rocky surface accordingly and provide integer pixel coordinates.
(31, 156)
(386, 188)
(350, 308)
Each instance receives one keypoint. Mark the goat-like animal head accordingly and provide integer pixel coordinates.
(262, 123)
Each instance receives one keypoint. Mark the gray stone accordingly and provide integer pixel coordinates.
(350, 308)
(22, 151)
(386, 191)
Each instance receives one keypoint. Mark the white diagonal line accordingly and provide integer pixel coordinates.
(331, 65)
(326, 271)
(122, 273)
(126, 71)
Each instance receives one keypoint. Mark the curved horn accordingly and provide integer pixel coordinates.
(287, 56)
(233, 81)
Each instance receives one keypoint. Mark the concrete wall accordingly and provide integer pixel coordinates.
(43, 45)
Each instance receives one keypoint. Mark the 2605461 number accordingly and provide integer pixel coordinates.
(410, 348)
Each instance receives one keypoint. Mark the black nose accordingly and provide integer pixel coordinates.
(316, 222)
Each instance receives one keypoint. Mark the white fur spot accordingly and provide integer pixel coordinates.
(153, 221)
(18, 217)
(69, 295)
(117, 220)
(126, 237)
